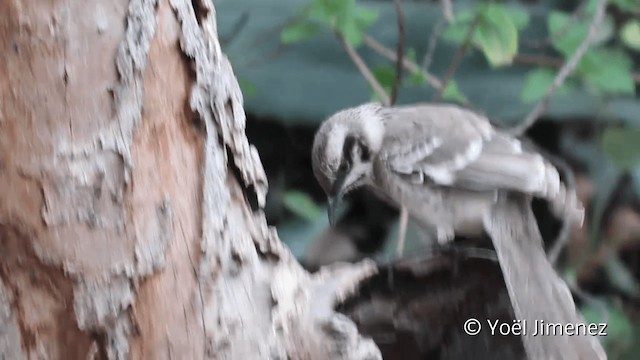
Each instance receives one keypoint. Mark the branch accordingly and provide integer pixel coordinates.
(564, 72)
(364, 70)
(399, 52)
(409, 65)
(431, 47)
(538, 60)
(447, 10)
(457, 57)
(544, 60)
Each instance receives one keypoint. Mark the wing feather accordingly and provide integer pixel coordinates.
(456, 147)
(433, 140)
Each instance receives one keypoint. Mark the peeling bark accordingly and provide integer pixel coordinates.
(126, 183)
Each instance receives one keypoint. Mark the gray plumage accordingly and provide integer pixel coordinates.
(444, 164)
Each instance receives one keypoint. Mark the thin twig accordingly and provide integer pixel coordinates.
(399, 52)
(544, 60)
(564, 71)
(364, 70)
(457, 58)
(433, 42)
(409, 65)
(447, 10)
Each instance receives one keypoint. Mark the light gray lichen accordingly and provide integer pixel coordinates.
(10, 347)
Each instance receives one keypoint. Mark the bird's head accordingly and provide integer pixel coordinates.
(343, 150)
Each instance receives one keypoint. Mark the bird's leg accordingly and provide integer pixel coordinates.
(402, 231)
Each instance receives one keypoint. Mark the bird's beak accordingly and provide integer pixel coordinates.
(332, 207)
(335, 197)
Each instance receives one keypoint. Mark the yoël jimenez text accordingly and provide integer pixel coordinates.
(543, 328)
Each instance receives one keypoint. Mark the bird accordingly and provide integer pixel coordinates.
(446, 165)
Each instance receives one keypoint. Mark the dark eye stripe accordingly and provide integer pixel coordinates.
(350, 144)
(347, 149)
(365, 151)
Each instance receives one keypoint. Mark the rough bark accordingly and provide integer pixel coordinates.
(126, 229)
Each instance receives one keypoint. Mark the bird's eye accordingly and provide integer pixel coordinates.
(343, 167)
(362, 151)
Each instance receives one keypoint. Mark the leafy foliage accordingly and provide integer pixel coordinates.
(343, 16)
(630, 34)
(608, 71)
(621, 334)
(495, 31)
(537, 83)
(453, 93)
(300, 30)
(603, 69)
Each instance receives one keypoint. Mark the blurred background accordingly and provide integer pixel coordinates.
(498, 58)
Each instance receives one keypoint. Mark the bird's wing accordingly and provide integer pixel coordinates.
(433, 140)
(456, 147)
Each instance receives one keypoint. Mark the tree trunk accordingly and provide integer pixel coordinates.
(126, 184)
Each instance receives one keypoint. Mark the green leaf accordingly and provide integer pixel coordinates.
(622, 146)
(386, 76)
(299, 31)
(453, 93)
(519, 17)
(537, 83)
(607, 70)
(411, 55)
(456, 32)
(302, 205)
(496, 35)
(417, 78)
(352, 20)
(630, 34)
(327, 10)
(366, 17)
(567, 34)
(352, 34)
